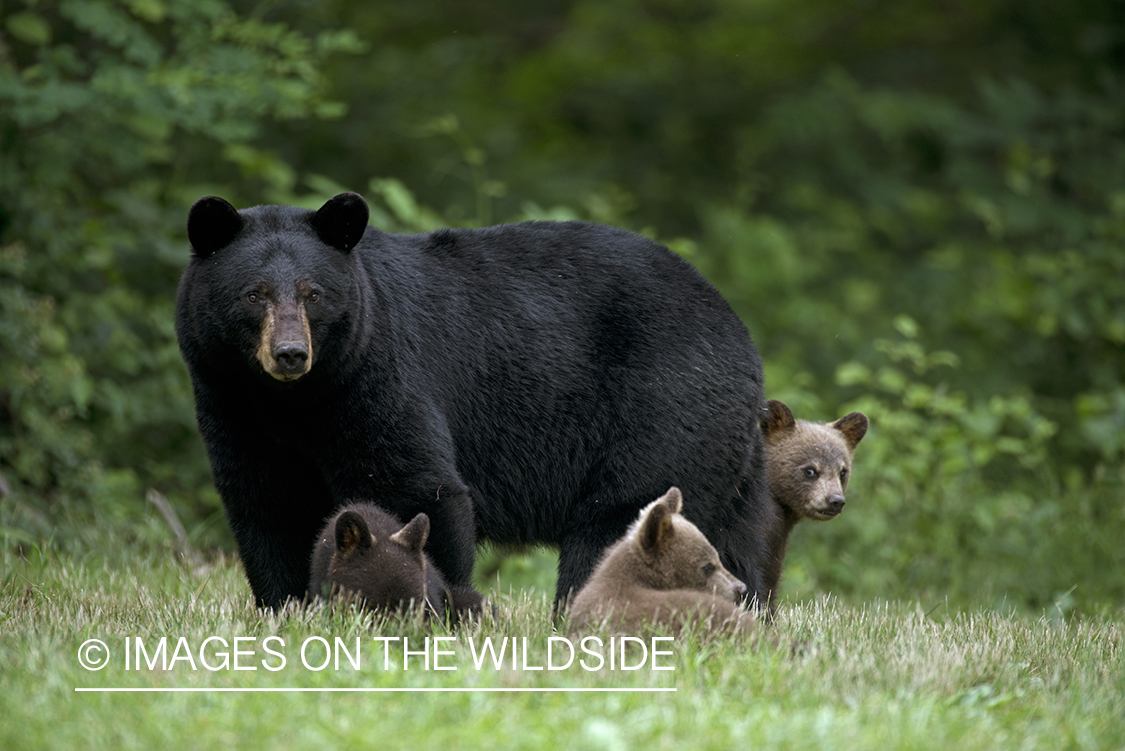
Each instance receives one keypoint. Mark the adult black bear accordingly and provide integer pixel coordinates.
(530, 383)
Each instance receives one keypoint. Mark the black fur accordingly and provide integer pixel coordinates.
(528, 383)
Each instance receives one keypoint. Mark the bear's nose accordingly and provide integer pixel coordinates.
(836, 503)
(291, 357)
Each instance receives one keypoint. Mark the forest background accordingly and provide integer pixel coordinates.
(918, 209)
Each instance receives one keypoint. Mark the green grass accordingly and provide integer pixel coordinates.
(880, 676)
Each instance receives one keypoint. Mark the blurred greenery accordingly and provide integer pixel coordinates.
(918, 208)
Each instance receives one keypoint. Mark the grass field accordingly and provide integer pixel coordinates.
(834, 675)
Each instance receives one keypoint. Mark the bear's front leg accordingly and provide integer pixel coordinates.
(276, 560)
(274, 497)
(452, 541)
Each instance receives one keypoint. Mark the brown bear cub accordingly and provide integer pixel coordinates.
(662, 571)
(364, 553)
(808, 465)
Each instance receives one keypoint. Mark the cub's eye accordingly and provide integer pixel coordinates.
(314, 296)
(253, 298)
(843, 475)
(708, 569)
(810, 472)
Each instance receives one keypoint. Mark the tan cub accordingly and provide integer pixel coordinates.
(808, 467)
(809, 463)
(662, 571)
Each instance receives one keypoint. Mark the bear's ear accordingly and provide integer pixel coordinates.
(853, 426)
(777, 420)
(341, 221)
(413, 535)
(656, 529)
(351, 533)
(212, 224)
(673, 499)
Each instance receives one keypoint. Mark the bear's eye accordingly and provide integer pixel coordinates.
(314, 296)
(810, 472)
(843, 475)
(253, 298)
(708, 569)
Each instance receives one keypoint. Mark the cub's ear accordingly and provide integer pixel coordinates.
(413, 535)
(656, 530)
(351, 533)
(212, 224)
(778, 419)
(341, 221)
(853, 426)
(673, 499)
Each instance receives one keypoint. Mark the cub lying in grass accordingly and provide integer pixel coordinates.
(662, 571)
(366, 554)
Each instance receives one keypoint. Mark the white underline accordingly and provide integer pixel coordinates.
(375, 690)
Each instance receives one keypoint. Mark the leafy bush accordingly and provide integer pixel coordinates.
(954, 499)
(113, 117)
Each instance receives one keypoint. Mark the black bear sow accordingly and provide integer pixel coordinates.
(529, 383)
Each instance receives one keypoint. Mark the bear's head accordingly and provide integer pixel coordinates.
(671, 552)
(365, 555)
(271, 284)
(808, 463)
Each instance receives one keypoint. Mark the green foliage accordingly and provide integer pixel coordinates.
(953, 497)
(930, 435)
(1004, 248)
(113, 117)
(47, 387)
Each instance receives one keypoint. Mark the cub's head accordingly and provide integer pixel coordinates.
(386, 571)
(268, 285)
(674, 554)
(809, 463)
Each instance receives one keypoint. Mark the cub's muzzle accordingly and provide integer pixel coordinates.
(830, 507)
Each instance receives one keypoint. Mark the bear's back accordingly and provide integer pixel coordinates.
(599, 358)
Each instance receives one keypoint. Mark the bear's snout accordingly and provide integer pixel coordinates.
(285, 350)
(728, 586)
(834, 504)
(291, 357)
